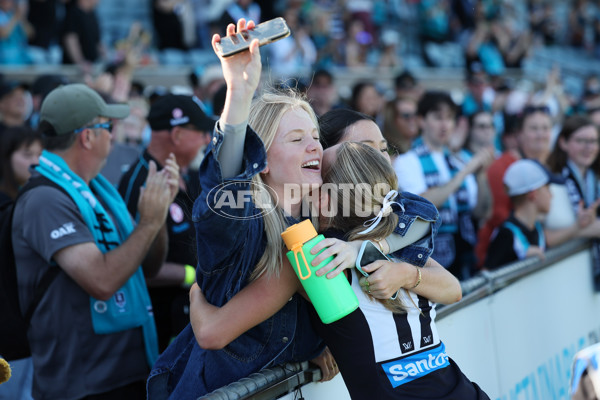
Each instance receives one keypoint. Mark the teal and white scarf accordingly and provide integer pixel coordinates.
(130, 306)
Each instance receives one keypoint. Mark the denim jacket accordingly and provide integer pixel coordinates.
(413, 207)
(230, 242)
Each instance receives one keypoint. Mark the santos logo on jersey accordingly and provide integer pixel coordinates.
(407, 369)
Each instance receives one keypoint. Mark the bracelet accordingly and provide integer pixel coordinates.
(190, 276)
(418, 277)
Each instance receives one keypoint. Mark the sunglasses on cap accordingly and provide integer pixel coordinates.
(104, 125)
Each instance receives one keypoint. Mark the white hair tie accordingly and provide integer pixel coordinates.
(387, 205)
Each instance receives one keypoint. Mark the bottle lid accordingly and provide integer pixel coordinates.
(299, 233)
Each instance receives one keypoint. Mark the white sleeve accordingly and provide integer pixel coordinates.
(410, 173)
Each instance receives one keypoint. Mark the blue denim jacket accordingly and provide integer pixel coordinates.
(230, 243)
(414, 207)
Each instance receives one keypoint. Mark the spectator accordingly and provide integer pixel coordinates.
(434, 22)
(179, 126)
(542, 20)
(575, 157)
(431, 171)
(43, 17)
(406, 85)
(206, 81)
(480, 137)
(232, 252)
(14, 31)
(321, 92)
(42, 85)
(13, 104)
(482, 133)
(126, 140)
(20, 147)
(389, 57)
(479, 95)
(532, 136)
(168, 25)
(63, 231)
(521, 235)
(80, 36)
(400, 124)
(295, 54)
(366, 99)
(359, 44)
(247, 9)
(484, 43)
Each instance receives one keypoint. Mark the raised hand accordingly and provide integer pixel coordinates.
(242, 75)
(171, 169)
(155, 196)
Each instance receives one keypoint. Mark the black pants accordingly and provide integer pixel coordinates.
(133, 391)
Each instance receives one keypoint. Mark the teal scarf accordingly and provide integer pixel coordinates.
(130, 306)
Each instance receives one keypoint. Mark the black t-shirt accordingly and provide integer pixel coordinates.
(506, 248)
(170, 303)
(85, 25)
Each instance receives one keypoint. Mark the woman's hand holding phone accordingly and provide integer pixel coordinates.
(386, 277)
(242, 74)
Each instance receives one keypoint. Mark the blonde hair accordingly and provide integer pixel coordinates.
(266, 113)
(370, 177)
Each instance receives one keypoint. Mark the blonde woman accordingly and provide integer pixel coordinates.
(238, 241)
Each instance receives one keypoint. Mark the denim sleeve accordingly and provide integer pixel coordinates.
(414, 207)
(224, 212)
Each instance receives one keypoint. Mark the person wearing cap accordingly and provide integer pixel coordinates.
(40, 88)
(522, 234)
(13, 104)
(92, 332)
(179, 126)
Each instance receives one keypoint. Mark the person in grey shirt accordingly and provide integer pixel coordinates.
(92, 333)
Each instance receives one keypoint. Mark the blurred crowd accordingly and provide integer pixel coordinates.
(498, 33)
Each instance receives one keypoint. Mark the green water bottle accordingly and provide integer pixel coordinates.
(332, 298)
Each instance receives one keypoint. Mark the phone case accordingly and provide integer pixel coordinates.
(266, 33)
(367, 254)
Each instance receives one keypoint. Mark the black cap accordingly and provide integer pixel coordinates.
(176, 109)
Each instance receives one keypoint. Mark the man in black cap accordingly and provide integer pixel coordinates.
(92, 334)
(179, 126)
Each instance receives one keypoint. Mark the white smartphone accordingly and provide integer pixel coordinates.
(266, 33)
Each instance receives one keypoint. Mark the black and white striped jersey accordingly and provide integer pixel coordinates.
(383, 355)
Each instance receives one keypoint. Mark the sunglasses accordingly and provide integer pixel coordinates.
(104, 125)
(528, 110)
(407, 115)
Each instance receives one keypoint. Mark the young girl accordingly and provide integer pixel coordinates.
(384, 349)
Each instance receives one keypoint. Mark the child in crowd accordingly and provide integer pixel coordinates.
(522, 235)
